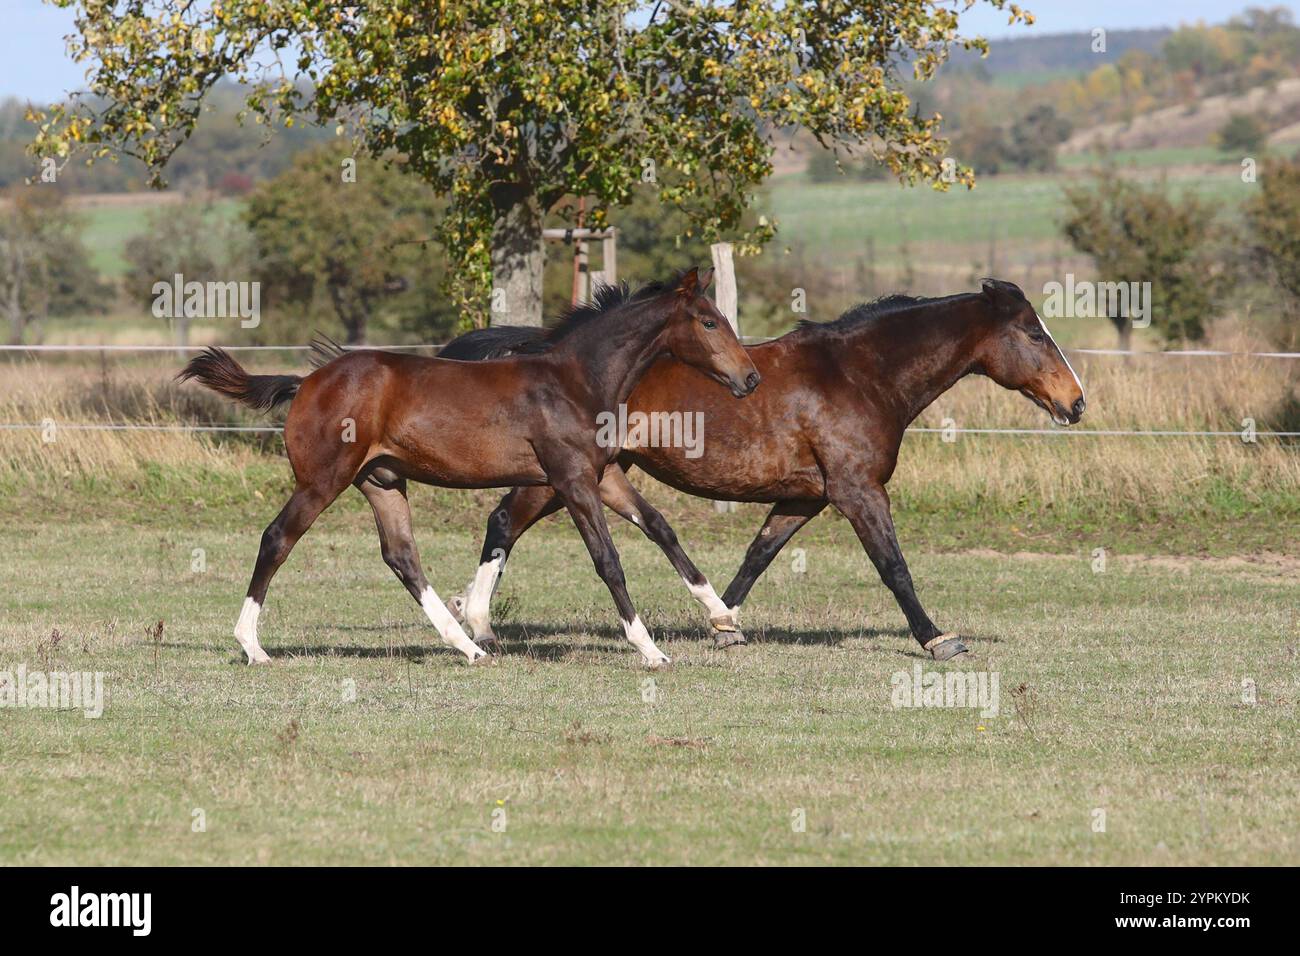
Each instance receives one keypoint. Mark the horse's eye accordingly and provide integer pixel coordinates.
(710, 324)
(1036, 336)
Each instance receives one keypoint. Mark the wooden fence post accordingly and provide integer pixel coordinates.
(724, 283)
(584, 279)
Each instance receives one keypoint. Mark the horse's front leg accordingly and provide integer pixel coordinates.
(581, 495)
(624, 500)
(867, 508)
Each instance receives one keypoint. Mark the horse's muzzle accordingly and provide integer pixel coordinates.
(750, 383)
(1071, 415)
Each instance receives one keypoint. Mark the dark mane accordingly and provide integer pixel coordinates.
(868, 311)
(604, 299)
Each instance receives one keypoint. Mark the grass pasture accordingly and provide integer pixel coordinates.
(1159, 688)
(1119, 691)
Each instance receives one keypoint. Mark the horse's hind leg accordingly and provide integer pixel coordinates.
(304, 507)
(785, 518)
(620, 496)
(397, 545)
(518, 511)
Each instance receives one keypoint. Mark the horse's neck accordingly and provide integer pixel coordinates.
(615, 352)
(927, 355)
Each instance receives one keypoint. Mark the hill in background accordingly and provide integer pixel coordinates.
(1023, 60)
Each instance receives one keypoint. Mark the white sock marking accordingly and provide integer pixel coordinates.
(478, 597)
(447, 627)
(640, 638)
(708, 597)
(246, 632)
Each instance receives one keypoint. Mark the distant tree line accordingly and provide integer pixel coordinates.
(223, 154)
(997, 125)
(1195, 258)
(44, 265)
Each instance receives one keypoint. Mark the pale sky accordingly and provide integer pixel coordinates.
(34, 64)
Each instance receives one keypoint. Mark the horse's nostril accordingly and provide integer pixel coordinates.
(1079, 406)
(752, 380)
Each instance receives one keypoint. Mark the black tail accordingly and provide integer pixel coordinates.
(496, 341)
(216, 369)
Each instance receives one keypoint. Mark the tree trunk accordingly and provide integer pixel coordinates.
(15, 263)
(16, 324)
(1124, 327)
(351, 307)
(518, 258)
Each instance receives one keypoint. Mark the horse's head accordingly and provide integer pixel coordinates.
(1020, 353)
(699, 335)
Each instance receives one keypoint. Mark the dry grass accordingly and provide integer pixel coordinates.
(1161, 473)
(1140, 394)
(66, 393)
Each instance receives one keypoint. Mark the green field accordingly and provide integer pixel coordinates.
(833, 219)
(108, 228)
(1152, 158)
(1120, 691)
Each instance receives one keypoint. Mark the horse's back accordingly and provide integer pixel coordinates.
(497, 341)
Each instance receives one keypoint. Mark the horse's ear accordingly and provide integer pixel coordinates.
(705, 278)
(689, 284)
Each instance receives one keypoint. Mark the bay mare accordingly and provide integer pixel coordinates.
(825, 429)
(375, 420)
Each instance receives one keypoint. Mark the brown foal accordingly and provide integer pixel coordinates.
(377, 419)
(826, 429)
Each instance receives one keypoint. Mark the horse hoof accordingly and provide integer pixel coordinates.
(258, 656)
(456, 607)
(726, 639)
(490, 643)
(946, 647)
(482, 660)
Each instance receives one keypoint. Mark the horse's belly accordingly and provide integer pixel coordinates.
(730, 477)
(457, 459)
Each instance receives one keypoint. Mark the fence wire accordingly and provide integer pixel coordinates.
(1072, 432)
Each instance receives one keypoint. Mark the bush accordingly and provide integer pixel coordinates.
(44, 266)
(1272, 223)
(350, 244)
(1243, 134)
(1139, 233)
